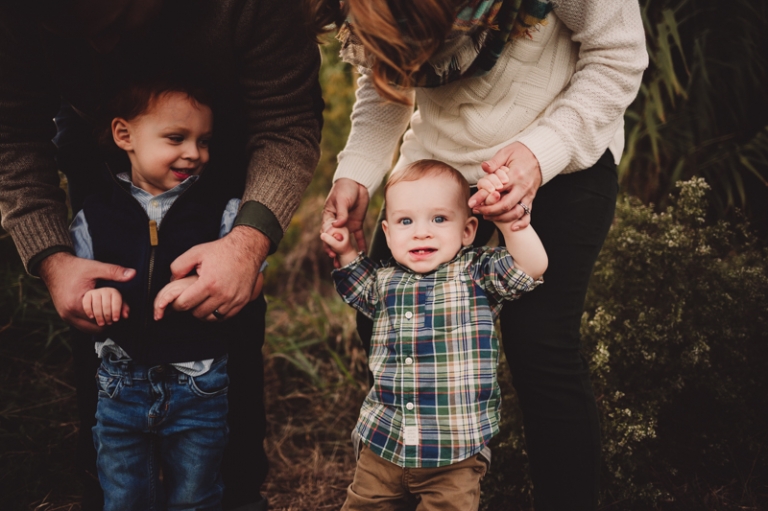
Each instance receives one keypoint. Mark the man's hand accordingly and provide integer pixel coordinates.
(69, 278)
(228, 269)
(346, 206)
(524, 179)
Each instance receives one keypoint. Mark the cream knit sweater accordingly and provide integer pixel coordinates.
(562, 93)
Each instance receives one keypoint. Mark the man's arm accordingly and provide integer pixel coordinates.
(278, 65)
(32, 203)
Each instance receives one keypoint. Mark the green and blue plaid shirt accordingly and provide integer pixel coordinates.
(434, 352)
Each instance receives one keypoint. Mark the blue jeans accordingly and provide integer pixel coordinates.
(154, 418)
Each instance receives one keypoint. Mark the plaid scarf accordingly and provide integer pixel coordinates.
(492, 22)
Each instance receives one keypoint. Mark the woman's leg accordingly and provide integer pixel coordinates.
(540, 333)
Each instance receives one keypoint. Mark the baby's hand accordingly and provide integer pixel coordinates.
(104, 305)
(337, 238)
(169, 293)
(492, 184)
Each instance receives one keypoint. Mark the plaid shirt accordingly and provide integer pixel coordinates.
(434, 351)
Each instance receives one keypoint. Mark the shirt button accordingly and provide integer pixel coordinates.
(408, 315)
(409, 406)
(418, 277)
(408, 361)
(154, 203)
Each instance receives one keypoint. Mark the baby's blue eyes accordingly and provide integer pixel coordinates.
(438, 220)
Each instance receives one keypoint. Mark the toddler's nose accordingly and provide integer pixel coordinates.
(191, 151)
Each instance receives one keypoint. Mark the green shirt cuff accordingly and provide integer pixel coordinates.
(257, 215)
(33, 266)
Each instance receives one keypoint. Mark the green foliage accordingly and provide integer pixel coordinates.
(677, 336)
(316, 342)
(676, 333)
(702, 108)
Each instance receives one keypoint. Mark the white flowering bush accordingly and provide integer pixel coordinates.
(676, 331)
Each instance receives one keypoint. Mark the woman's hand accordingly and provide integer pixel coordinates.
(346, 206)
(524, 178)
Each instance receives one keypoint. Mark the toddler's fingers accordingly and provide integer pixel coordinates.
(98, 310)
(478, 198)
(163, 298)
(106, 307)
(502, 174)
(330, 240)
(494, 180)
(87, 307)
(492, 198)
(116, 305)
(126, 310)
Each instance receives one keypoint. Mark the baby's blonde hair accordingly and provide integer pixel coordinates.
(424, 168)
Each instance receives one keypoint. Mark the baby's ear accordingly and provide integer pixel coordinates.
(121, 134)
(470, 229)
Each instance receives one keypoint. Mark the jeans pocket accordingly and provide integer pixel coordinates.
(213, 383)
(108, 384)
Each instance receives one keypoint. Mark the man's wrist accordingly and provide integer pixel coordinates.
(251, 241)
(38, 263)
(256, 215)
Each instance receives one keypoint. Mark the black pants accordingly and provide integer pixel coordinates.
(540, 333)
(245, 463)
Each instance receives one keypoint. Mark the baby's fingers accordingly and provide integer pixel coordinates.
(479, 197)
(116, 305)
(332, 240)
(165, 297)
(492, 181)
(97, 304)
(106, 307)
(87, 305)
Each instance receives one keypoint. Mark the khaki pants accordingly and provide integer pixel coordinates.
(383, 486)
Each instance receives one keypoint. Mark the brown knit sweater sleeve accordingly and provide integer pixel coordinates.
(32, 204)
(279, 67)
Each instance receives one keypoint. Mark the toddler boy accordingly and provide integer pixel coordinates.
(424, 427)
(163, 378)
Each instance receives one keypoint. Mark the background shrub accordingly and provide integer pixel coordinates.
(676, 332)
(677, 335)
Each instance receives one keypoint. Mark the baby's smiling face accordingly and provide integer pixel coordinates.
(427, 222)
(167, 143)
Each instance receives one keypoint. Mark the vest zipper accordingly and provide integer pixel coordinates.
(153, 240)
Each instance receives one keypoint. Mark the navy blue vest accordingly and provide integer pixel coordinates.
(121, 234)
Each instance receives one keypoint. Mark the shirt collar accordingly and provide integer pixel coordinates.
(168, 194)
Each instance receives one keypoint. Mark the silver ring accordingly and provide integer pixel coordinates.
(526, 209)
(218, 314)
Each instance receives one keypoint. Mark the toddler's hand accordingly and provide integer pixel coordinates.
(338, 239)
(492, 184)
(104, 305)
(169, 293)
